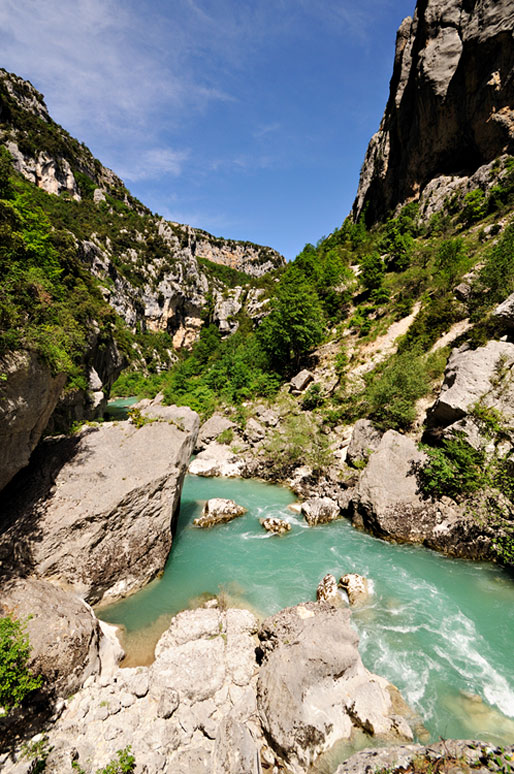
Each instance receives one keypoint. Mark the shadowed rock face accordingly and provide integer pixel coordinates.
(28, 396)
(450, 103)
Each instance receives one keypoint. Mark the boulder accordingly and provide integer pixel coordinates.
(28, 397)
(211, 429)
(301, 381)
(277, 526)
(356, 586)
(365, 440)
(504, 312)
(470, 375)
(216, 460)
(454, 755)
(267, 416)
(331, 698)
(320, 510)
(327, 589)
(254, 431)
(388, 503)
(386, 500)
(67, 644)
(218, 511)
(97, 513)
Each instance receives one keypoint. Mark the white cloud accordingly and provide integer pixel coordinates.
(153, 163)
(102, 65)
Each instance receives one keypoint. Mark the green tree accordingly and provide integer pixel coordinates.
(372, 271)
(295, 324)
(16, 680)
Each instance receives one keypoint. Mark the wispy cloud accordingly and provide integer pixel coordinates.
(153, 163)
(102, 64)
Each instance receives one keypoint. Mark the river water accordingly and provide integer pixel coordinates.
(441, 630)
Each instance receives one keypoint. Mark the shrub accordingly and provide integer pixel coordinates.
(453, 469)
(475, 206)
(16, 680)
(372, 271)
(393, 394)
(313, 397)
(124, 763)
(226, 436)
(496, 278)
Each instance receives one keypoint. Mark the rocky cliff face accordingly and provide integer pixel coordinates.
(450, 108)
(157, 276)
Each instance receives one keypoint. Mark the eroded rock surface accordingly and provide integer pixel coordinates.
(65, 636)
(96, 512)
(326, 701)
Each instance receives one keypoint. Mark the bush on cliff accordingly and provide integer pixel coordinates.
(16, 680)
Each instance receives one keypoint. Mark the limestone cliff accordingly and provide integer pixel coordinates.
(153, 272)
(112, 255)
(450, 108)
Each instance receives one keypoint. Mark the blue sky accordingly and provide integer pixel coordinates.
(249, 118)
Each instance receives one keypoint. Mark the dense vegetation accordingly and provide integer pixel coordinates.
(48, 300)
(16, 680)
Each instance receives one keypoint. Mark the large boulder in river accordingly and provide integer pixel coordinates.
(330, 699)
(219, 510)
(356, 586)
(97, 510)
(276, 526)
(67, 644)
(28, 395)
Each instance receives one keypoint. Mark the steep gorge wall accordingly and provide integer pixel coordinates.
(451, 103)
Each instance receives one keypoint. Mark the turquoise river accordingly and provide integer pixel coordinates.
(442, 630)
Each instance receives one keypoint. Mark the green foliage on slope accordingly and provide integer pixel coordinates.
(16, 680)
(48, 301)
